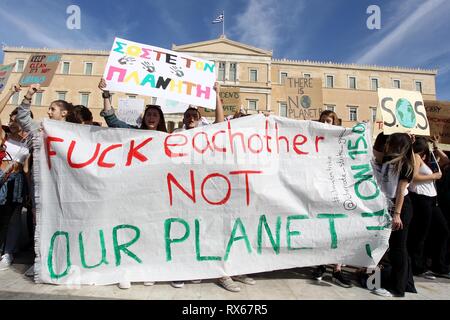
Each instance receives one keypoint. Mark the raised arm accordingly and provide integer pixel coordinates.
(441, 157)
(14, 88)
(23, 111)
(219, 107)
(108, 111)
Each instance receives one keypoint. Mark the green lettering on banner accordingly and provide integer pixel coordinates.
(379, 213)
(233, 238)
(331, 217)
(361, 176)
(197, 245)
(123, 247)
(275, 244)
(290, 233)
(369, 250)
(82, 254)
(53, 275)
(168, 240)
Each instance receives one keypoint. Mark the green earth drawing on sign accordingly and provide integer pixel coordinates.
(305, 101)
(405, 113)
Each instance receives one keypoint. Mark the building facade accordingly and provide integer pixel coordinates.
(347, 89)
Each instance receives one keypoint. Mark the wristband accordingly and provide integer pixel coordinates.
(106, 95)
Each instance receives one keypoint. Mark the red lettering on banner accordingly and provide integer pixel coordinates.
(224, 199)
(250, 143)
(101, 162)
(317, 142)
(50, 152)
(81, 165)
(134, 153)
(171, 179)
(247, 189)
(267, 136)
(168, 152)
(214, 141)
(278, 138)
(208, 146)
(296, 143)
(231, 137)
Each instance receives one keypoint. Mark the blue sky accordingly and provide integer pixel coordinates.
(414, 33)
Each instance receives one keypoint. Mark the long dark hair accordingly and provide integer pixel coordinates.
(162, 122)
(399, 149)
(421, 147)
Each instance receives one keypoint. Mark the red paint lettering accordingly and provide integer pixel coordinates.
(247, 189)
(83, 164)
(317, 142)
(227, 196)
(168, 152)
(296, 143)
(214, 142)
(134, 153)
(171, 179)
(50, 152)
(208, 146)
(101, 162)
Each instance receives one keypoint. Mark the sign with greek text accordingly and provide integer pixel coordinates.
(402, 111)
(151, 71)
(5, 72)
(438, 114)
(131, 111)
(304, 98)
(249, 195)
(40, 69)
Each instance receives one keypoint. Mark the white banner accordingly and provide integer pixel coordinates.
(250, 195)
(131, 111)
(151, 71)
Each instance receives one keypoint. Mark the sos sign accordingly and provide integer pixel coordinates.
(403, 111)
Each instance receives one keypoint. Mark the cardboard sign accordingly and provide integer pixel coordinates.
(5, 72)
(40, 69)
(171, 106)
(244, 196)
(304, 98)
(231, 102)
(131, 111)
(402, 111)
(438, 114)
(151, 71)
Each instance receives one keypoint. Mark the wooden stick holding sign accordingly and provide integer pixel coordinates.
(402, 111)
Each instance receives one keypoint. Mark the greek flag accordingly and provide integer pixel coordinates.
(219, 19)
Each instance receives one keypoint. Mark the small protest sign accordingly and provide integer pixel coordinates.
(231, 102)
(5, 72)
(152, 71)
(304, 98)
(40, 69)
(438, 114)
(402, 111)
(131, 111)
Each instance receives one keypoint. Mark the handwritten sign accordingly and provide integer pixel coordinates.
(151, 71)
(5, 72)
(249, 195)
(131, 111)
(40, 69)
(304, 98)
(438, 114)
(402, 111)
(231, 102)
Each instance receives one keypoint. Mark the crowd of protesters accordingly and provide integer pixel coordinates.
(414, 177)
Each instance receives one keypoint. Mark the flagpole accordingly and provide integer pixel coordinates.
(223, 24)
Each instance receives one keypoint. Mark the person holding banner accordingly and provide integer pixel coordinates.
(395, 174)
(426, 211)
(14, 156)
(153, 118)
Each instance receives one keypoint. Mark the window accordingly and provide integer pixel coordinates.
(330, 81)
(252, 104)
(253, 75)
(65, 67)
(283, 109)
(307, 75)
(353, 113)
(283, 76)
(88, 68)
(38, 99)
(374, 84)
(20, 65)
(373, 114)
(232, 71)
(84, 99)
(352, 82)
(221, 75)
(418, 86)
(15, 98)
(396, 83)
(61, 95)
(131, 97)
(330, 107)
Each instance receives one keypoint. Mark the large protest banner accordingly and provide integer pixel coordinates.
(151, 71)
(304, 98)
(438, 114)
(5, 72)
(40, 69)
(401, 111)
(250, 195)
